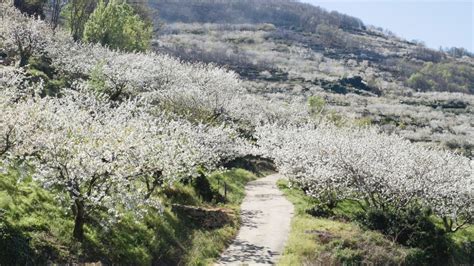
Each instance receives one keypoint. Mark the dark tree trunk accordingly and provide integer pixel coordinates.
(23, 59)
(78, 232)
(56, 10)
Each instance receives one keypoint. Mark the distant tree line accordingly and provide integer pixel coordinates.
(457, 52)
(282, 13)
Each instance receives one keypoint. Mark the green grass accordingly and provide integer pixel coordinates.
(35, 227)
(327, 242)
(206, 245)
(335, 241)
(34, 214)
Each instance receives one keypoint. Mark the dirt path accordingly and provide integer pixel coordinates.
(266, 216)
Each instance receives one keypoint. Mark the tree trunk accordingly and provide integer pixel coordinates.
(78, 232)
(23, 59)
(56, 10)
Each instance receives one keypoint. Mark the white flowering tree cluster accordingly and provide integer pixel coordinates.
(21, 35)
(257, 110)
(106, 156)
(199, 90)
(99, 145)
(377, 169)
(129, 74)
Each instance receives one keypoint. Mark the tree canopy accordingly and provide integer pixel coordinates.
(116, 25)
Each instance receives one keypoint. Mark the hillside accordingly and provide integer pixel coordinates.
(281, 13)
(122, 145)
(293, 51)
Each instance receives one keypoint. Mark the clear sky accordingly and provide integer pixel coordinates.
(444, 23)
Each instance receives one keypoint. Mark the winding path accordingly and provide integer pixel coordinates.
(266, 215)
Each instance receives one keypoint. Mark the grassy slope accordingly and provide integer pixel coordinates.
(205, 245)
(34, 226)
(330, 241)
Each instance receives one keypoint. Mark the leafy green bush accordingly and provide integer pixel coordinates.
(116, 25)
(349, 256)
(454, 77)
(316, 105)
(97, 80)
(203, 187)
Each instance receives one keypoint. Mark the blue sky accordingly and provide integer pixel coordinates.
(436, 23)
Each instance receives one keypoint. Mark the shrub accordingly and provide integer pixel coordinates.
(40, 68)
(411, 227)
(117, 26)
(320, 210)
(14, 245)
(316, 104)
(203, 187)
(77, 13)
(452, 77)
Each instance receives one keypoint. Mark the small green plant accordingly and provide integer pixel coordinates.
(336, 118)
(320, 210)
(316, 105)
(364, 121)
(97, 78)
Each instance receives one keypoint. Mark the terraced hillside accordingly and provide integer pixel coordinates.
(292, 51)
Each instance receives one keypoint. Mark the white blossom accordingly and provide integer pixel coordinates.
(363, 164)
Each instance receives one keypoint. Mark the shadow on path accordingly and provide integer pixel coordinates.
(247, 251)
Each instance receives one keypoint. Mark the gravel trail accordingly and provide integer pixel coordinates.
(266, 215)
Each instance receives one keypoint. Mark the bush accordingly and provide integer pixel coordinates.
(203, 188)
(320, 210)
(348, 256)
(412, 227)
(76, 14)
(14, 245)
(453, 77)
(40, 69)
(316, 104)
(117, 26)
